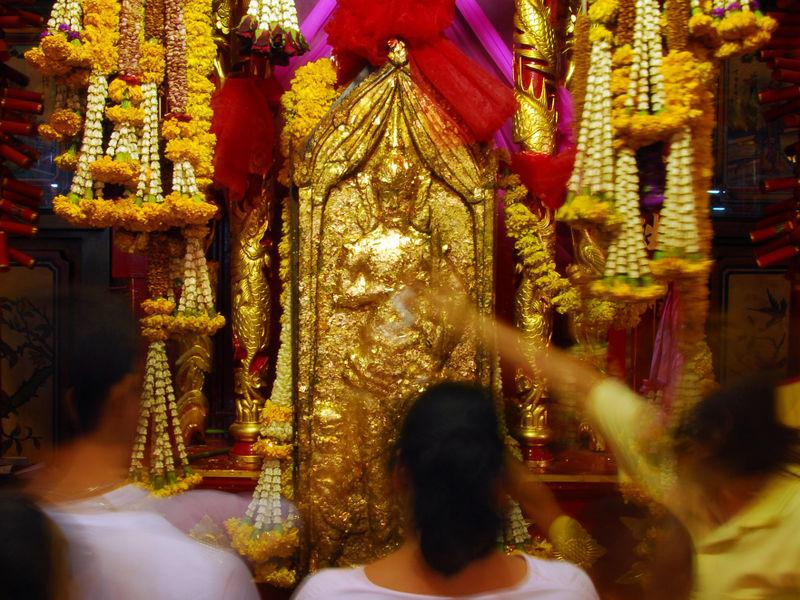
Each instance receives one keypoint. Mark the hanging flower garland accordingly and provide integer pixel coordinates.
(120, 165)
(60, 51)
(591, 186)
(268, 533)
(169, 472)
(645, 115)
(271, 28)
(311, 95)
(195, 312)
(166, 470)
(627, 275)
(522, 226)
(679, 245)
(741, 26)
(132, 155)
(126, 38)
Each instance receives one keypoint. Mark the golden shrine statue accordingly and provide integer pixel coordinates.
(390, 200)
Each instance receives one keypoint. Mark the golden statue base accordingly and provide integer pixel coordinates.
(246, 435)
(535, 451)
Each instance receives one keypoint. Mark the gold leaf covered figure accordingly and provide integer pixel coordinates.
(390, 200)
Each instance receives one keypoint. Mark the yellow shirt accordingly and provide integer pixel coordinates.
(755, 554)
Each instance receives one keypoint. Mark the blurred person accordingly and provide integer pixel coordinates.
(729, 472)
(448, 471)
(669, 563)
(32, 551)
(121, 542)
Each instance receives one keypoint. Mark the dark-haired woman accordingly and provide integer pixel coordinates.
(449, 465)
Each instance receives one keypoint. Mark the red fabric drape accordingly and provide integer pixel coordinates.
(245, 130)
(359, 32)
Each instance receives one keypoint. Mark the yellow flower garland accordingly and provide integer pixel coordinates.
(125, 114)
(271, 451)
(176, 211)
(101, 34)
(158, 306)
(109, 170)
(585, 209)
(535, 258)
(261, 546)
(183, 484)
(67, 161)
(152, 62)
(277, 576)
(200, 55)
(66, 122)
(119, 90)
(312, 93)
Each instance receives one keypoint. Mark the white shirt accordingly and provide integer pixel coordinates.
(124, 554)
(545, 580)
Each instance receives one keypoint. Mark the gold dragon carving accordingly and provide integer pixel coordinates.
(535, 63)
(251, 311)
(195, 353)
(535, 130)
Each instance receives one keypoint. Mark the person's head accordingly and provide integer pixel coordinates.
(450, 454)
(32, 551)
(735, 432)
(101, 365)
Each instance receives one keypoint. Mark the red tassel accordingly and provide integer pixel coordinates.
(243, 124)
(479, 100)
(361, 29)
(359, 32)
(545, 176)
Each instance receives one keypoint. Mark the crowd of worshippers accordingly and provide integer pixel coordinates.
(729, 475)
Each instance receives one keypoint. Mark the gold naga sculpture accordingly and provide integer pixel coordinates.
(390, 200)
(251, 311)
(535, 131)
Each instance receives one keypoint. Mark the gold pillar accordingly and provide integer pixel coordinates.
(534, 131)
(251, 309)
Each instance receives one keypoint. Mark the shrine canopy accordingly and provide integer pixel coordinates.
(482, 30)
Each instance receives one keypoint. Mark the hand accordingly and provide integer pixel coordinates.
(534, 497)
(563, 372)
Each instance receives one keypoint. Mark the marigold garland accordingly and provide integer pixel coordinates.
(109, 170)
(312, 93)
(261, 547)
(131, 115)
(152, 62)
(272, 451)
(158, 306)
(175, 211)
(101, 33)
(67, 161)
(66, 122)
(522, 226)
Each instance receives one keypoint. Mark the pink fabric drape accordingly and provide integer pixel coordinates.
(498, 49)
(313, 29)
(667, 360)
